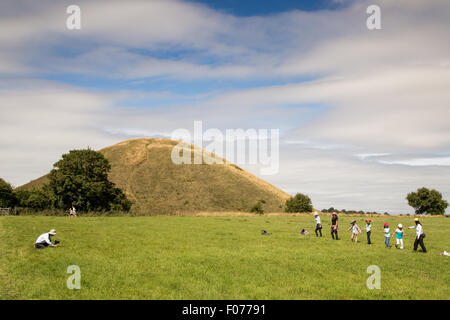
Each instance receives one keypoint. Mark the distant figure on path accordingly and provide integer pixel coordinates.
(45, 240)
(419, 235)
(334, 225)
(318, 224)
(72, 212)
(368, 230)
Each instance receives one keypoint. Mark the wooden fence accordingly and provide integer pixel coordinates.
(5, 211)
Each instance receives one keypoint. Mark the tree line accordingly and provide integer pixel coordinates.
(344, 211)
(423, 201)
(80, 179)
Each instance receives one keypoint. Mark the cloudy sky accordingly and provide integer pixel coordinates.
(363, 114)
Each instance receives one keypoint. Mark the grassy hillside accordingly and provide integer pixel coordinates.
(144, 170)
(217, 258)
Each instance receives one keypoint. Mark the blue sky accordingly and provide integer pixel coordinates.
(362, 114)
(261, 8)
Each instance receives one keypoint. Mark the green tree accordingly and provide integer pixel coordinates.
(257, 208)
(7, 198)
(37, 199)
(22, 197)
(80, 178)
(299, 203)
(426, 201)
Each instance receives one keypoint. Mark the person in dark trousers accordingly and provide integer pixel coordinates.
(419, 235)
(368, 230)
(334, 226)
(318, 224)
(45, 240)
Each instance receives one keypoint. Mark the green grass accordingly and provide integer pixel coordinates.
(216, 258)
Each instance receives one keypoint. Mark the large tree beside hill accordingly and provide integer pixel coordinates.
(80, 178)
(299, 203)
(7, 198)
(426, 201)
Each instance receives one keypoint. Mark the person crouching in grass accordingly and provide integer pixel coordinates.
(355, 230)
(45, 240)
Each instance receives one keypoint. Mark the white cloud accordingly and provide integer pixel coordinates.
(345, 182)
(364, 156)
(420, 162)
(40, 124)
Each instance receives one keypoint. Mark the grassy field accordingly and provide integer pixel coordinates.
(217, 258)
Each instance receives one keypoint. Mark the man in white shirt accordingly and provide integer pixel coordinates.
(419, 235)
(44, 240)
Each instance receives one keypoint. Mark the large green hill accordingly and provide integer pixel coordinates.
(143, 169)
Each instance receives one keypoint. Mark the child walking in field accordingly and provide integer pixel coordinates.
(368, 230)
(399, 236)
(387, 235)
(355, 230)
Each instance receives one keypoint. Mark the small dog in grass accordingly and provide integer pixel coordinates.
(265, 233)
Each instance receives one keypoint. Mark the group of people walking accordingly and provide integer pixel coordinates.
(334, 225)
(356, 230)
